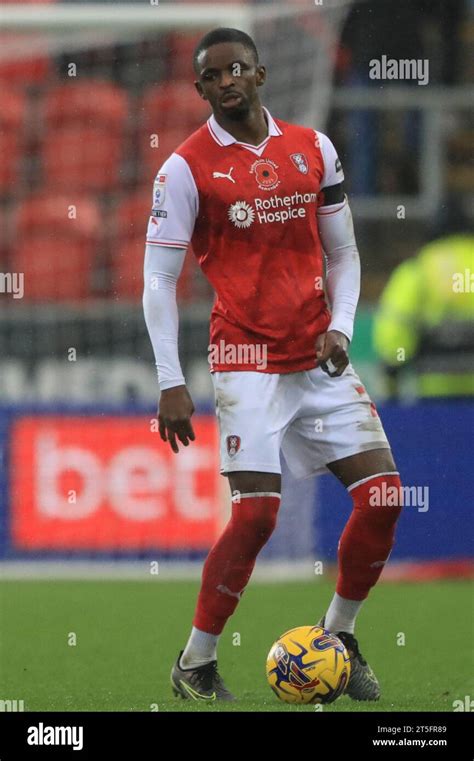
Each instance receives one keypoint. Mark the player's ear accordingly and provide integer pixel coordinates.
(261, 75)
(198, 87)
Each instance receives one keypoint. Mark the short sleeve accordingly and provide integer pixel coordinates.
(175, 205)
(333, 173)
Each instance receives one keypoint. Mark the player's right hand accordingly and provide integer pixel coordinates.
(174, 417)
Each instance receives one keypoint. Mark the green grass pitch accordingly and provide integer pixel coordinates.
(128, 635)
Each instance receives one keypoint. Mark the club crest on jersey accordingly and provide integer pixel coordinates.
(301, 162)
(159, 191)
(233, 445)
(265, 174)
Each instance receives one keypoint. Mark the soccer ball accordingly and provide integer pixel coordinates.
(308, 665)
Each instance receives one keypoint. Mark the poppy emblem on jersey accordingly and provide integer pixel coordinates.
(233, 445)
(265, 174)
(241, 214)
(300, 161)
(159, 191)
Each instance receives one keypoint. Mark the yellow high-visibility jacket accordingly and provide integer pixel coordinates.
(426, 317)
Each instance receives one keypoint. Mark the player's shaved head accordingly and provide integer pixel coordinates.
(223, 34)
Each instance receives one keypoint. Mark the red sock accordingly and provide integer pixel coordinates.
(230, 562)
(369, 534)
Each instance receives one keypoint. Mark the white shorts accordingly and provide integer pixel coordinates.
(312, 418)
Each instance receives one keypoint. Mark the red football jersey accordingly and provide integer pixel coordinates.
(250, 213)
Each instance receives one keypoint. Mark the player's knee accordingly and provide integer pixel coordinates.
(380, 497)
(265, 524)
(256, 516)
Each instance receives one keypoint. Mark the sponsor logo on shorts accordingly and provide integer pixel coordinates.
(233, 445)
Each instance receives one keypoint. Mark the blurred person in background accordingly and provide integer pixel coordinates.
(425, 318)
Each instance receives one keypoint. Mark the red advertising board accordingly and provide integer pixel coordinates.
(110, 483)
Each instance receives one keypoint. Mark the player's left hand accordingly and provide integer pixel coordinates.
(331, 352)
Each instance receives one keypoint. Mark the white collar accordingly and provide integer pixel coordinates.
(224, 138)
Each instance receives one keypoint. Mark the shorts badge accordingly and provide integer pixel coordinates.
(233, 445)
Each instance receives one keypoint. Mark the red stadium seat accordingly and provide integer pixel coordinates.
(172, 111)
(91, 102)
(83, 142)
(131, 215)
(173, 104)
(27, 70)
(4, 240)
(127, 244)
(81, 157)
(56, 241)
(22, 71)
(13, 106)
(127, 269)
(180, 49)
(153, 158)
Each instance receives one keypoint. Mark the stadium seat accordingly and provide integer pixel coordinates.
(83, 141)
(172, 111)
(180, 49)
(55, 246)
(131, 215)
(83, 158)
(126, 273)
(22, 71)
(91, 102)
(30, 69)
(13, 106)
(4, 239)
(153, 158)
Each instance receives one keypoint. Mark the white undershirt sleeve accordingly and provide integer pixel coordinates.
(162, 268)
(336, 231)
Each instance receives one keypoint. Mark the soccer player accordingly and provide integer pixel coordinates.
(260, 200)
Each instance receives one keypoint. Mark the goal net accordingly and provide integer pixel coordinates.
(93, 98)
